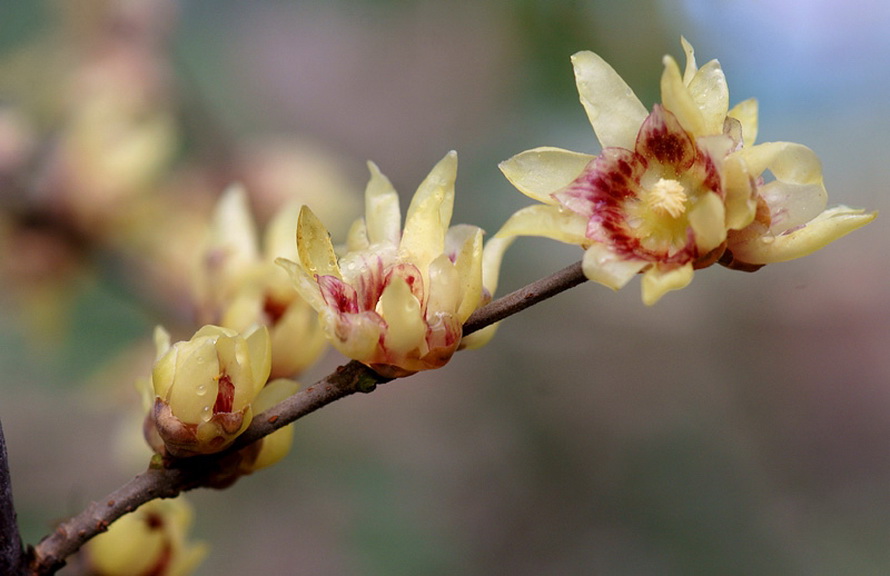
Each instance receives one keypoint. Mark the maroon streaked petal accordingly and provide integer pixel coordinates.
(411, 275)
(609, 178)
(370, 283)
(337, 294)
(663, 139)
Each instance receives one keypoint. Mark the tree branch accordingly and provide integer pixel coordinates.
(188, 473)
(11, 552)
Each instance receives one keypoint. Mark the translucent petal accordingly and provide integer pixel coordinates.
(741, 201)
(382, 212)
(613, 109)
(822, 230)
(305, 284)
(548, 222)
(656, 282)
(444, 287)
(233, 230)
(708, 220)
(691, 68)
(356, 336)
(797, 195)
(710, 93)
(259, 349)
(406, 329)
(430, 213)
(278, 241)
(465, 242)
(492, 256)
(162, 341)
(540, 172)
(602, 265)
(675, 97)
(357, 236)
(746, 113)
(314, 246)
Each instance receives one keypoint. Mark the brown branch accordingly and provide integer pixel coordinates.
(11, 552)
(185, 474)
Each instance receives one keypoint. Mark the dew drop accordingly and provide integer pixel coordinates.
(201, 389)
(206, 414)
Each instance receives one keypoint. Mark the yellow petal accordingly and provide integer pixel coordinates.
(746, 113)
(538, 220)
(162, 341)
(602, 265)
(677, 99)
(278, 240)
(548, 222)
(691, 68)
(233, 230)
(430, 213)
(259, 350)
(305, 284)
(406, 330)
(708, 220)
(614, 111)
(741, 201)
(822, 230)
(797, 195)
(275, 446)
(356, 336)
(314, 246)
(467, 241)
(711, 95)
(540, 172)
(357, 236)
(444, 289)
(382, 213)
(193, 393)
(656, 283)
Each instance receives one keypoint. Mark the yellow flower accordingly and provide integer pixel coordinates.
(397, 299)
(151, 541)
(238, 285)
(204, 388)
(675, 189)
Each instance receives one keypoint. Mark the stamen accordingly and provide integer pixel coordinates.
(667, 197)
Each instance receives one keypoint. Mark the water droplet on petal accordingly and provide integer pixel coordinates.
(206, 414)
(201, 389)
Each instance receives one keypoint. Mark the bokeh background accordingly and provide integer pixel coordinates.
(740, 426)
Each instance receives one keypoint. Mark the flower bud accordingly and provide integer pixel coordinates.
(148, 542)
(204, 388)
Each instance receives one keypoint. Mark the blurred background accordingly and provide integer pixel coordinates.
(740, 426)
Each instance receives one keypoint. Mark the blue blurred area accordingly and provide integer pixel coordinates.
(741, 426)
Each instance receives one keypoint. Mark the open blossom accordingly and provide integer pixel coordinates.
(397, 299)
(674, 189)
(204, 389)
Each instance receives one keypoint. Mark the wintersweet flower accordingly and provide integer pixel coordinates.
(397, 299)
(204, 389)
(674, 189)
(151, 541)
